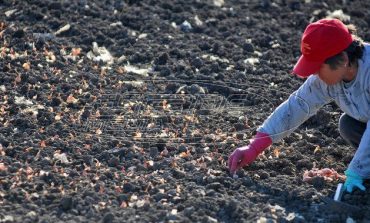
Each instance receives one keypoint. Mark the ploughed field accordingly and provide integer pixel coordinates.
(127, 111)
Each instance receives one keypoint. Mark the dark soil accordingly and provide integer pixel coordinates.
(83, 140)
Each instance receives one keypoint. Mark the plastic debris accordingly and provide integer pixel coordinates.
(252, 61)
(339, 14)
(119, 23)
(186, 26)
(140, 71)
(198, 22)
(218, 3)
(215, 58)
(136, 84)
(142, 36)
(62, 157)
(10, 12)
(22, 101)
(63, 29)
(100, 54)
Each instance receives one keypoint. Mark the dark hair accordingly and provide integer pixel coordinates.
(354, 51)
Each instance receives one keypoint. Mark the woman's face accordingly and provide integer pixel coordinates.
(342, 72)
(332, 76)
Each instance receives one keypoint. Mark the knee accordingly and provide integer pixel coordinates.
(351, 130)
(345, 126)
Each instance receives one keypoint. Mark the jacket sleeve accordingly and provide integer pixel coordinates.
(300, 105)
(360, 163)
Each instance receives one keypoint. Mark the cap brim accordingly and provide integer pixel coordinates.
(305, 68)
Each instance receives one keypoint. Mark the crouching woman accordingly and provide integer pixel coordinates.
(336, 64)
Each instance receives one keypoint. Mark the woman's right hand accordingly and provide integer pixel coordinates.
(245, 155)
(241, 157)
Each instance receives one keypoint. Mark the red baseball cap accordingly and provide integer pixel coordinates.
(320, 41)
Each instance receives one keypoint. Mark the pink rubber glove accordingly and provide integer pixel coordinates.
(247, 154)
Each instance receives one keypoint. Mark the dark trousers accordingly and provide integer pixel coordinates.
(351, 130)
